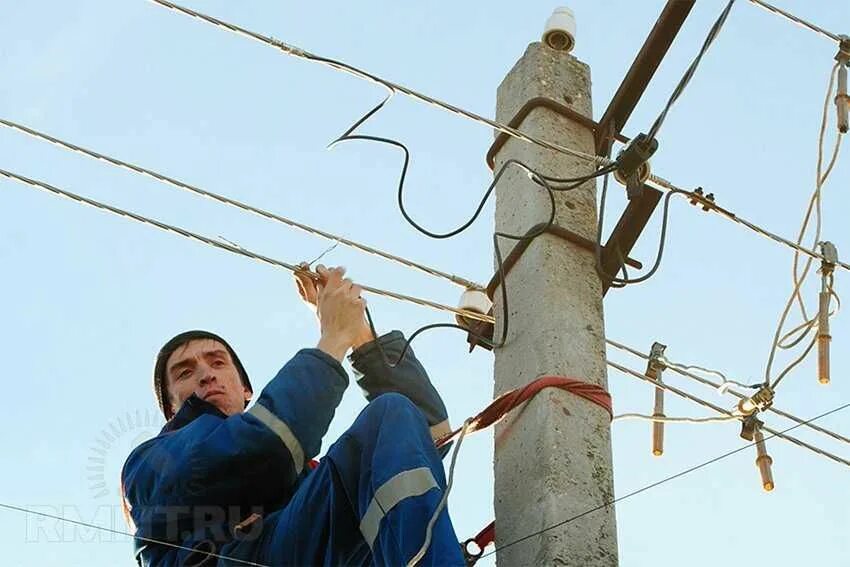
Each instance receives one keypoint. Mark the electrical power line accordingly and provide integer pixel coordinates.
(718, 409)
(122, 533)
(689, 73)
(234, 203)
(225, 246)
(797, 20)
(655, 180)
(679, 369)
(360, 73)
(658, 483)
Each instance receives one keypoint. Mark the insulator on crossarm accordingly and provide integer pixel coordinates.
(474, 300)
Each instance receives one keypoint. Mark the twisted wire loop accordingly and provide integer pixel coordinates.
(230, 247)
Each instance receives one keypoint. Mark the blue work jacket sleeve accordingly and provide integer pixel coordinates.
(212, 454)
(302, 399)
(408, 377)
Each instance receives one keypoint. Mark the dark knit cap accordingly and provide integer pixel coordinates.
(160, 384)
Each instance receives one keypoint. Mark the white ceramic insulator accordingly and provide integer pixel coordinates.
(560, 30)
(475, 300)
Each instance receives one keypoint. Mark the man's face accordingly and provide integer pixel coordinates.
(204, 367)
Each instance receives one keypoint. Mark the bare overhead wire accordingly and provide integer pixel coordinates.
(65, 520)
(235, 203)
(665, 480)
(680, 369)
(723, 411)
(549, 183)
(797, 20)
(689, 73)
(360, 73)
(228, 247)
(655, 180)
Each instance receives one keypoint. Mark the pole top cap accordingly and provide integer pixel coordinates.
(560, 30)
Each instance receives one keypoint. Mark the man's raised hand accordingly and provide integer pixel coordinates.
(341, 311)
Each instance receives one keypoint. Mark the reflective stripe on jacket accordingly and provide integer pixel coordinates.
(206, 472)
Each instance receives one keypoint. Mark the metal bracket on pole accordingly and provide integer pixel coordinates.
(542, 102)
(640, 73)
(484, 329)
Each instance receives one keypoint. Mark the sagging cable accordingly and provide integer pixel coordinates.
(549, 183)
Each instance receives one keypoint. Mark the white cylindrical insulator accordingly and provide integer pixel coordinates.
(560, 30)
(823, 338)
(842, 101)
(473, 300)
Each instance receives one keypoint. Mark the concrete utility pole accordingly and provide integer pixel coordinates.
(553, 459)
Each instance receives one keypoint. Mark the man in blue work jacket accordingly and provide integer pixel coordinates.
(224, 486)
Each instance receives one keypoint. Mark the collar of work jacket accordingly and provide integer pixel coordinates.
(191, 409)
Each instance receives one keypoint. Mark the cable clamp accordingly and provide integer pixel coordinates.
(655, 365)
(698, 197)
(830, 257)
(750, 424)
(843, 55)
(633, 164)
(758, 402)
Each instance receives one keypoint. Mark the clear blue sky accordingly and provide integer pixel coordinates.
(87, 298)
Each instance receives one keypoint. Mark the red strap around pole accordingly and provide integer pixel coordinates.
(502, 405)
(508, 401)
